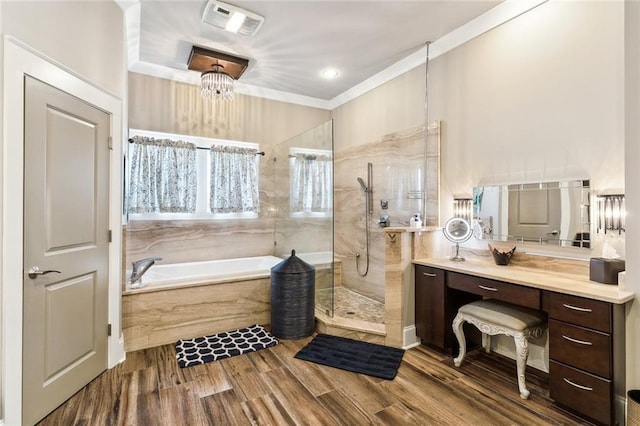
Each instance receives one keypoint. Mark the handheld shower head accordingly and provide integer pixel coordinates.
(362, 184)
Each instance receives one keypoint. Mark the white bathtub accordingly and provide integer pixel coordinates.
(199, 298)
(215, 271)
(193, 273)
(317, 258)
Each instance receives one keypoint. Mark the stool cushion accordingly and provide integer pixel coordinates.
(504, 314)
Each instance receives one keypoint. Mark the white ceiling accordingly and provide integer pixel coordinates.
(367, 41)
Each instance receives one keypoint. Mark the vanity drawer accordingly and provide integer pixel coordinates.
(513, 293)
(579, 347)
(580, 391)
(581, 311)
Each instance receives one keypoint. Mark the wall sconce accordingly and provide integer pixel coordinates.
(610, 213)
(463, 208)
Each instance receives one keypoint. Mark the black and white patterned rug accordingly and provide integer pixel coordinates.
(223, 345)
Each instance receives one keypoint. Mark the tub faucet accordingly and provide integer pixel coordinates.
(139, 267)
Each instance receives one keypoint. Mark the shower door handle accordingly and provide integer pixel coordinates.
(34, 271)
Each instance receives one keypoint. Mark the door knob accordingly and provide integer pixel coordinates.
(34, 271)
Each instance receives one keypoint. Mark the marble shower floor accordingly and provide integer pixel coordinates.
(352, 305)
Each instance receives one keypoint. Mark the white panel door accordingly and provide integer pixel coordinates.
(66, 203)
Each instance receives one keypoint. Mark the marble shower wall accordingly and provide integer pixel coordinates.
(398, 161)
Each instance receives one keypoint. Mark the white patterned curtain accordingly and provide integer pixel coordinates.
(311, 183)
(163, 176)
(234, 179)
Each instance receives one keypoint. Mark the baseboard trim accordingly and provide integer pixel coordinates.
(409, 338)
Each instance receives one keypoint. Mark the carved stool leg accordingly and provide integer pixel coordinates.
(486, 342)
(522, 353)
(458, 321)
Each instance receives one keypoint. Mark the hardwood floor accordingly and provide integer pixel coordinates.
(270, 387)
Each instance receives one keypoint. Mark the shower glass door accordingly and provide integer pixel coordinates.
(303, 180)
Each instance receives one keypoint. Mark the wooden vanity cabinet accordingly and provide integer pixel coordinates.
(585, 338)
(430, 307)
(435, 308)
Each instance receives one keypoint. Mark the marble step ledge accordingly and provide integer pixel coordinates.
(351, 324)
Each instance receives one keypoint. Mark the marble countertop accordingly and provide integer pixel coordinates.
(573, 284)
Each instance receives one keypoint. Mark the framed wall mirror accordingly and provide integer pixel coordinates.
(554, 213)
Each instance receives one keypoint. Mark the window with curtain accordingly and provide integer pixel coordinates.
(311, 183)
(163, 176)
(234, 180)
(184, 177)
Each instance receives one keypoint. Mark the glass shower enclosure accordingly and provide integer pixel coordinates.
(303, 202)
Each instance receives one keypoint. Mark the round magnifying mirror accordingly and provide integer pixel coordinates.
(457, 230)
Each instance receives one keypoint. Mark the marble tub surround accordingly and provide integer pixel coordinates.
(178, 241)
(155, 318)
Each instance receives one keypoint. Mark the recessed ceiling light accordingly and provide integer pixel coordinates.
(330, 73)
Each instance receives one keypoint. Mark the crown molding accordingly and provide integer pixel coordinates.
(504, 12)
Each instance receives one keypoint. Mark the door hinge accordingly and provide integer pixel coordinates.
(108, 329)
(110, 235)
(110, 142)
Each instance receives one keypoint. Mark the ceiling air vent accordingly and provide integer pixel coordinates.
(231, 18)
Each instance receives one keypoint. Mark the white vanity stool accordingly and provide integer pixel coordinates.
(493, 317)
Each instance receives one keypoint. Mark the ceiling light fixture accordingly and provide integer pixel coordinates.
(330, 73)
(216, 84)
(219, 72)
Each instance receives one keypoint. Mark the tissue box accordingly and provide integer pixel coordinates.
(605, 270)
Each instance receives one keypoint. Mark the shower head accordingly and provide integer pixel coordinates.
(364, 187)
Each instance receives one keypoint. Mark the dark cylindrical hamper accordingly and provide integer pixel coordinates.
(293, 284)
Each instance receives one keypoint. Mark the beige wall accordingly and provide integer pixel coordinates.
(167, 106)
(538, 98)
(87, 38)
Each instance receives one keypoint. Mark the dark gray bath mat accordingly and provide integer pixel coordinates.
(223, 345)
(353, 355)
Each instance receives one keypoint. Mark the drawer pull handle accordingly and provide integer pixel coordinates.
(487, 288)
(576, 308)
(580, 342)
(587, 388)
(429, 274)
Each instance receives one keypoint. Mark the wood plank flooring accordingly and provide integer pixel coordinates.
(270, 387)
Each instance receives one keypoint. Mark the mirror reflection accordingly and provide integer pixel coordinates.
(554, 213)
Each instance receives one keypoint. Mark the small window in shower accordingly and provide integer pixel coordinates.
(311, 182)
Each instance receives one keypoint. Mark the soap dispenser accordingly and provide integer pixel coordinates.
(415, 221)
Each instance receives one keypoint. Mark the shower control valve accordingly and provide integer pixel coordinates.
(383, 221)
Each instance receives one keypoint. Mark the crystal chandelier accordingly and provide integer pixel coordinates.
(216, 84)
